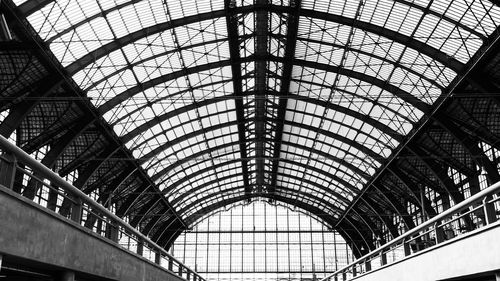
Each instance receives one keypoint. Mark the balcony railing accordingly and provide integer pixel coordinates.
(474, 212)
(20, 172)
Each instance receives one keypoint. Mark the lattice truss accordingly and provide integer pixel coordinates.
(321, 104)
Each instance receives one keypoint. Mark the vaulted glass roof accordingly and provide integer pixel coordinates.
(293, 100)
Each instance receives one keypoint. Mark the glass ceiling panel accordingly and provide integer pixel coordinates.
(358, 90)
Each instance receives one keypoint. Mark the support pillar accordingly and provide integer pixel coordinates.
(170, 264)
(7, 170)
(76, 210)
(140, 247)
(406, 247)
(157, 257)
(383, 258)
(368, 266)
(112, 231)
(440, 237)
(489, 211)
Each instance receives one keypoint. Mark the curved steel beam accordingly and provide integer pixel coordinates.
(380, 212)
(470, 144)
(195, 191)
(372, 55)
(413, 43)
(422, 106)
(291, 162)
(309, 208)
(376, 124)
(348, 141)
(399, 208)
(225, 145)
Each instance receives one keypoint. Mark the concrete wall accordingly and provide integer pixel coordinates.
(30, 232)
(476, 252)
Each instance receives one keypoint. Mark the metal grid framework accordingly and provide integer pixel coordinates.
(169, 110)
(260, 241)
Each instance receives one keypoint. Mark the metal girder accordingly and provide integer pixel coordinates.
(438, 171)
(339, 137)
(154, 221)
(441, 174)
(132, 199)
(194, 191)
(265, 8)
(470, 144)
(373, 229)
(381, 216)
(481, 133)
(422, 106)
(261, 41)
(409, 98)
(182, 138)
(155, 121)
(310, 208)
(215, 196)
(372, 55)
(395, 204)
(232, 24)
(16, 46)
(165, 236)
(400, 175)
(352, 239)
(299, 164)
(290, 41)
(56, 150)
(131, 65)
(116, 183)
(225, 145)
(19, 111)
(143, 211)
(362, 237)
(321, 131)
(30, 7)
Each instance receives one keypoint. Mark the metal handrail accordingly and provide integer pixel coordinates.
(476, 198)
(50, 175)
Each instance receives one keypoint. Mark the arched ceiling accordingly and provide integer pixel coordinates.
(295, 101)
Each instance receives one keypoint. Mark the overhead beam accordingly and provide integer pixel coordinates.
(195, 192)
(264, 8)
(292, 25)
(232, 24)
(352, 167)
(261, 42)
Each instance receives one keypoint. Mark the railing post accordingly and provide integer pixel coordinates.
(170, 264)
(344, 276)
(112, 231)
(157, 257)
(188, 275)
(406, 247)
(439, 232)
(368, 265)
(179, 272)
(8, 170)
(489, 211)
(383, 258)
(76, 210)
(140, 247)
(354, 270)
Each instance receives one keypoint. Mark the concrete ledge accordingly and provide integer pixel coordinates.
(31, 232)
(472, 253)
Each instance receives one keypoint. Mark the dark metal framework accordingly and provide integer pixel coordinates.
(356, 111)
